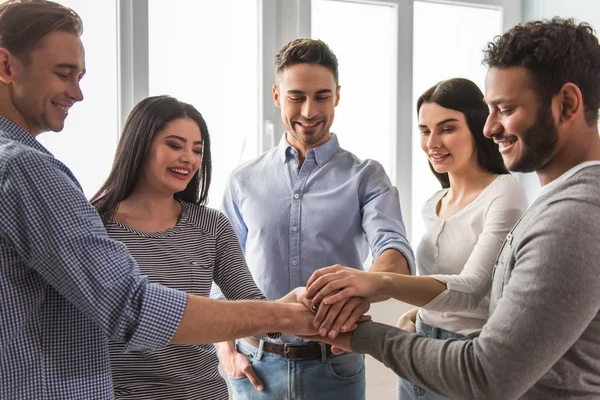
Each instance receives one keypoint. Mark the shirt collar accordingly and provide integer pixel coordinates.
(12, 131)
(321, 154)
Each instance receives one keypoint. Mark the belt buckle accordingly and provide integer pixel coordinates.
(287, 347)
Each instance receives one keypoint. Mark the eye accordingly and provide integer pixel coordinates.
(506, 111)
(174, 146)
(199, 152)
(322, 98)
(296, 99)
(424, 133)
(63, 77)
(448, 129)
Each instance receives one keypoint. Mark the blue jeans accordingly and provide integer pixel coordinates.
(333, 377)
(410, 391)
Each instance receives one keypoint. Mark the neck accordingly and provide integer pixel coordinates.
(149, 204)
(462, 184)
(582, 148)
(9, 112)
(304, 148)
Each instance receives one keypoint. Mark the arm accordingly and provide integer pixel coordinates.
(545, 305)
(461, 292)
(383, 224)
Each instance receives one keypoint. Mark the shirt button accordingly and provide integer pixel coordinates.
(294, 228)
(294, 262)
(296, 196)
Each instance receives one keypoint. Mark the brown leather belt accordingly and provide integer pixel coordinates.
(304, 351)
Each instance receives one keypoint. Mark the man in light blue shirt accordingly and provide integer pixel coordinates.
(304, 205)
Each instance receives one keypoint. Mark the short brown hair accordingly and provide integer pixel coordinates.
(307, 51)
(23, 23)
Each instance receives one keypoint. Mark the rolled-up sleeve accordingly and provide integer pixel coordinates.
(381, 215)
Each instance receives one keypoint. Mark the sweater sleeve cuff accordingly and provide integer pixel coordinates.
(368, 338)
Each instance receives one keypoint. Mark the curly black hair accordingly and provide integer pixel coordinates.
(555, 52)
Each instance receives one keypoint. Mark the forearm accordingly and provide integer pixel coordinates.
(415, 290)
(209, 321)
(392, 261)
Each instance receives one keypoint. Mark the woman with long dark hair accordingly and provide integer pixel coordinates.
(466, 224)
(154, 202)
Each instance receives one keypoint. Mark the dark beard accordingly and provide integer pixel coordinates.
(539, 143)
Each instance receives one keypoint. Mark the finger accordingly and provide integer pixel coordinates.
(343, 294)
(317, 285)
(336, 350)
(320, 272)
(334, 284)
(321, 314)
(343, 317)
(359, 307)
(365, 318)
(329, 320)
(253, 378)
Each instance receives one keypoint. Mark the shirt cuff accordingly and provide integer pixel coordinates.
(160, 316)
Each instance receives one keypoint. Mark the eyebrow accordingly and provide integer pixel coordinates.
(184, 140)
(497, 101)
(322, 91)
(441, 122)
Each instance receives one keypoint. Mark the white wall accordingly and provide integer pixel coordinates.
(583, 11)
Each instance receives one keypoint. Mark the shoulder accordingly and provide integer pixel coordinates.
(25, 161)
(206, 219)
(264, 161)
(506, 191)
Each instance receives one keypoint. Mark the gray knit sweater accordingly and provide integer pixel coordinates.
(542, 340)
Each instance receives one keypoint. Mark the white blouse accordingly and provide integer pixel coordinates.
(460, 251)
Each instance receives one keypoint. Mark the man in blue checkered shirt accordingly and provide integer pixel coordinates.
(65, 287)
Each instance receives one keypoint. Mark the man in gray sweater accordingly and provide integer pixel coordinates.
(542, 339)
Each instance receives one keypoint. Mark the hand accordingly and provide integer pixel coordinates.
(237, 365)
(299, 320)
(332, 284)
(342, 316)
(408, 321)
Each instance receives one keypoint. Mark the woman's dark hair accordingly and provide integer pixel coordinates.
(149, 117)
(464, 96)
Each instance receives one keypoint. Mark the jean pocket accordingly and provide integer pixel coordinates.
(346, 367)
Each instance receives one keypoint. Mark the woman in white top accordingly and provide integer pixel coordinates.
(466, 223)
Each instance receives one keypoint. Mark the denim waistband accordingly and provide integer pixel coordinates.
(431, 331)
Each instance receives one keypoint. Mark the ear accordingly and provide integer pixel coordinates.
(337, 95)
(6, 66)
(276, 97)
(570, 102)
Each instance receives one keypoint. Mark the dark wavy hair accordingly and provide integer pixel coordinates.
(309, 51)
(464, 96)
(149, 117)
(556, 52)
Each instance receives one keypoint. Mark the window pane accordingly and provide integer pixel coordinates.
(206, 53)
(87, 143)
(448, 43)
(365, 116)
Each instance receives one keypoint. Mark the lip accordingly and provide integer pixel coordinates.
(436, 158)
(505, 145)
(180, 176)
(308, 128)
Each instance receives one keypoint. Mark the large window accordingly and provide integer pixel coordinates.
(206, 53)
(367, 68)
(87, 143)
(448, 43)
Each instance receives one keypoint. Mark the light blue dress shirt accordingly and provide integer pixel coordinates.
(293, 220)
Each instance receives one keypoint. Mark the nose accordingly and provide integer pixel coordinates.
(75, 92)
(309, 108)
(492, 126)
(433, 141)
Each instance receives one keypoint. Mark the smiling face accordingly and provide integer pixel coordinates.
(307, 96)
(43, 88)
(446, 139)
(174, 157)
(524, 130)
